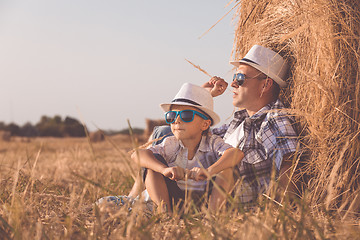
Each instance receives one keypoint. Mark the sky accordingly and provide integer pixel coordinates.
(107, 62)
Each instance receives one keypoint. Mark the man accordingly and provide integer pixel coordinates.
(265, 134)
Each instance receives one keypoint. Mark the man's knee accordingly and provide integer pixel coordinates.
(225, 178)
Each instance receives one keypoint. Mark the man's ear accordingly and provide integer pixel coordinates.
(268, 84)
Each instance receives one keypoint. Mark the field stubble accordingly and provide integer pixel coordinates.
(49, 186)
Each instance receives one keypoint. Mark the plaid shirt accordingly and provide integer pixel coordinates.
(264, 138)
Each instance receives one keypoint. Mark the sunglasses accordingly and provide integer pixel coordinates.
(239, 78)
(185, 116)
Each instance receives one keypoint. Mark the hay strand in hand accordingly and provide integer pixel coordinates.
(199, 68)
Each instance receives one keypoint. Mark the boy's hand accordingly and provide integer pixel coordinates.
(174, 173)
(216, 86)
(198, 174)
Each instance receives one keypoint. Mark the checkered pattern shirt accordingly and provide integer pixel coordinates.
(210, 149)
(264, 138)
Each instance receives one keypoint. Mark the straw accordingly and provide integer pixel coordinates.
(320, 39)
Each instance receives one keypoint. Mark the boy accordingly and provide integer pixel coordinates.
(192, 151)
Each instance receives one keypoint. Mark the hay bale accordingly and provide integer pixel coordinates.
(151, 124)
(97, 136)
(5, 135)
(320, 38)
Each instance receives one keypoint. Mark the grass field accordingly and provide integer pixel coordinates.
(49, 186)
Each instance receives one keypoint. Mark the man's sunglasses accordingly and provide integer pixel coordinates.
(185, 116)
(240, 78)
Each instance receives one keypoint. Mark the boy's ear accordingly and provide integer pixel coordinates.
(205, 124)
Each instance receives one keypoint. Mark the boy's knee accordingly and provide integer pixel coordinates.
(152, 175)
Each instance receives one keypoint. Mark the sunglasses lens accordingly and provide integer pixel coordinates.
(240, 82)
(187, 116)
(170, 116)
(239, 78)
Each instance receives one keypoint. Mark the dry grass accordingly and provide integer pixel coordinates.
(48, 188)
(52, 184)
(320, 38)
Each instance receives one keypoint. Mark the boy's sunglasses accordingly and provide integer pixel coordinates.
(185, 116)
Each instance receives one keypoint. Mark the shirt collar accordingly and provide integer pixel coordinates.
(242, 114)
(204, 144)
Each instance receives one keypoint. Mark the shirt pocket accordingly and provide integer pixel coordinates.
(254, 155)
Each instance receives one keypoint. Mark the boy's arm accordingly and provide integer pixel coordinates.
(229, 159)
(147, 159)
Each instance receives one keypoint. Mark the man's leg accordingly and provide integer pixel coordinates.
(286, 180)
(225, 181)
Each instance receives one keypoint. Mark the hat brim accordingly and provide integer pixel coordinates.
(215, 118)
(273, 76)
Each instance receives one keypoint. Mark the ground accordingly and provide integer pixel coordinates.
(48, 187)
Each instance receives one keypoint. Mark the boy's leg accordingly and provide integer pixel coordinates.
(161, 188)
(136, 189)
(157, 188)
(158, 133)
(225, 180)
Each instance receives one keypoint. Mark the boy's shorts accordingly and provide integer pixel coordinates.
(176, 194)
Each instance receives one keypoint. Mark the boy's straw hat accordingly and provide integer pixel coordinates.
(266, 61)
(195, 96)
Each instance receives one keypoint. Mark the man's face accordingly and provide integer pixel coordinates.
(246, 95)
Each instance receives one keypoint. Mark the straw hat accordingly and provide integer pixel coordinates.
(268, 62)
(195, 96)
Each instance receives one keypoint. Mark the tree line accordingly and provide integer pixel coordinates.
(47, 127)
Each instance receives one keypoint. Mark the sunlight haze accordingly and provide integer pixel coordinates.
(108, 61)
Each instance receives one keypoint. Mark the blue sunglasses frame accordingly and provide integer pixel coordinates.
(179, 113)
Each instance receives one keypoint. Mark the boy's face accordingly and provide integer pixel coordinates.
(188, 130)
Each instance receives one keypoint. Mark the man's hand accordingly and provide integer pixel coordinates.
(216, 86)
(198, 174)
(174, 173)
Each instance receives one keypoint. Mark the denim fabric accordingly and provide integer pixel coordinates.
(117, 200)
(161, 131)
